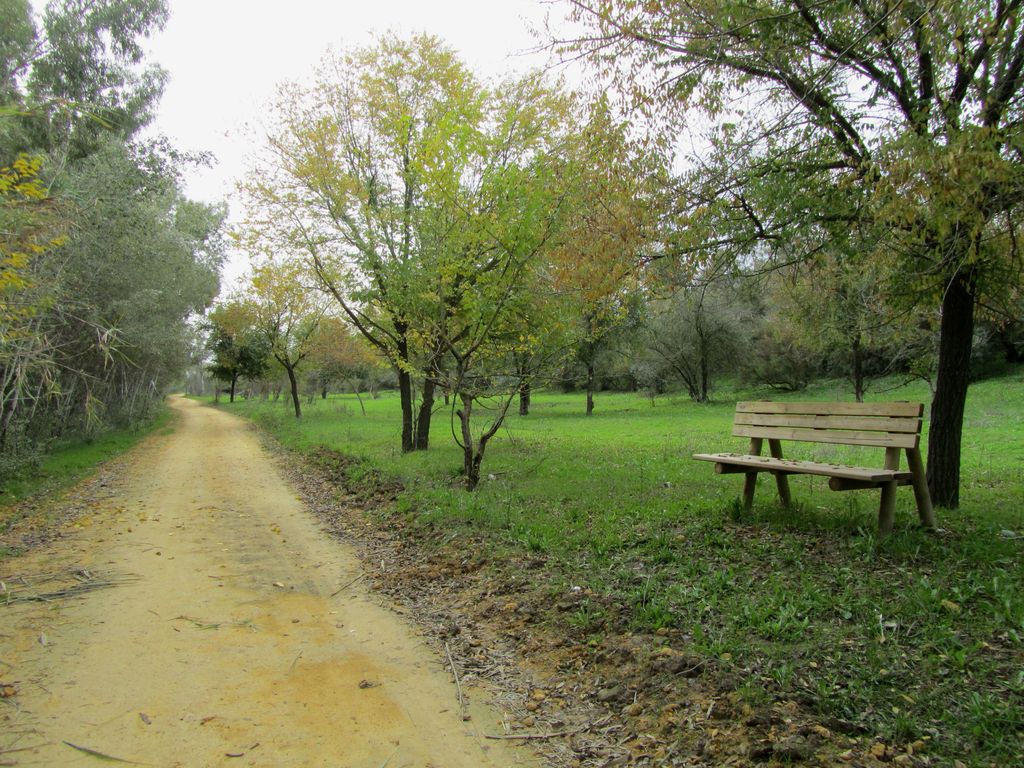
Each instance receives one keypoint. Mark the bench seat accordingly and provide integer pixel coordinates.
(724, 463)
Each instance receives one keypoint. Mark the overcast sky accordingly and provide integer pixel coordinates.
(225, 57)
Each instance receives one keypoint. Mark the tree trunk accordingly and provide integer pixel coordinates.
(355, 388)
(524, 398)
(858, 370)
(470, 466)
(590, 389)
(8, 403)
(5, 423)
(956, 334)
(703, 352)
(473, 451)
(704, 373)
(294, 384)
(423, 420)
(405, 395)
(1013, 354)
(323, 392)
(234, 381)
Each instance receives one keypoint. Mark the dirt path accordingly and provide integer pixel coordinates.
(225, 645)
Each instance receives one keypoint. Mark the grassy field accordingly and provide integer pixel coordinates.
(919, 636)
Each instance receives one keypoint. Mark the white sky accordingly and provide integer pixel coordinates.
(225, 57)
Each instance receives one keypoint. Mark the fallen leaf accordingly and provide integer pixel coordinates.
(145, 718)
(368, 684)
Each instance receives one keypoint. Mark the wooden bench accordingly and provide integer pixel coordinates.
(892, 426)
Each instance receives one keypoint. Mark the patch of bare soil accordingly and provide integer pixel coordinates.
(188, 611)
(615, 700)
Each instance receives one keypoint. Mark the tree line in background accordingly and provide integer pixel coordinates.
(485, 238)
(102, 260)
(768, 329)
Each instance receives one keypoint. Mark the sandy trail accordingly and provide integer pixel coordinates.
(228, 649)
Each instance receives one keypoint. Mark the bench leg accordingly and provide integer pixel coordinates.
(781, 481)
(887, 508)
(749, 484)
(921, 495)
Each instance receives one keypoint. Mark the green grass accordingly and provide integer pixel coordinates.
(70, 461)
(914, 636)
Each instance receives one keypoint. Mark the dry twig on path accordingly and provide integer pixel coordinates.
(103, 755)
(541, 736)
(458, 684)
(530, 736)
(200, 624)
(345, 586)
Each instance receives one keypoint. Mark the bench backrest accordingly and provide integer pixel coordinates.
(886, 425)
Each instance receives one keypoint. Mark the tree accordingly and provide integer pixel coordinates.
(487, 290)
(842, 314)
(406, 181)
(17, 43)
(547, 342)
(340, 355)
(27, 224)
(238, 351)
(896, 124)
(698, 332)
(285, 313)
(140, 262)
(88, 72)
(94, 320)
(618, 208)
(432, 208)
(352, 164)
(605, 327)
(109, 261)
(518, 224)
